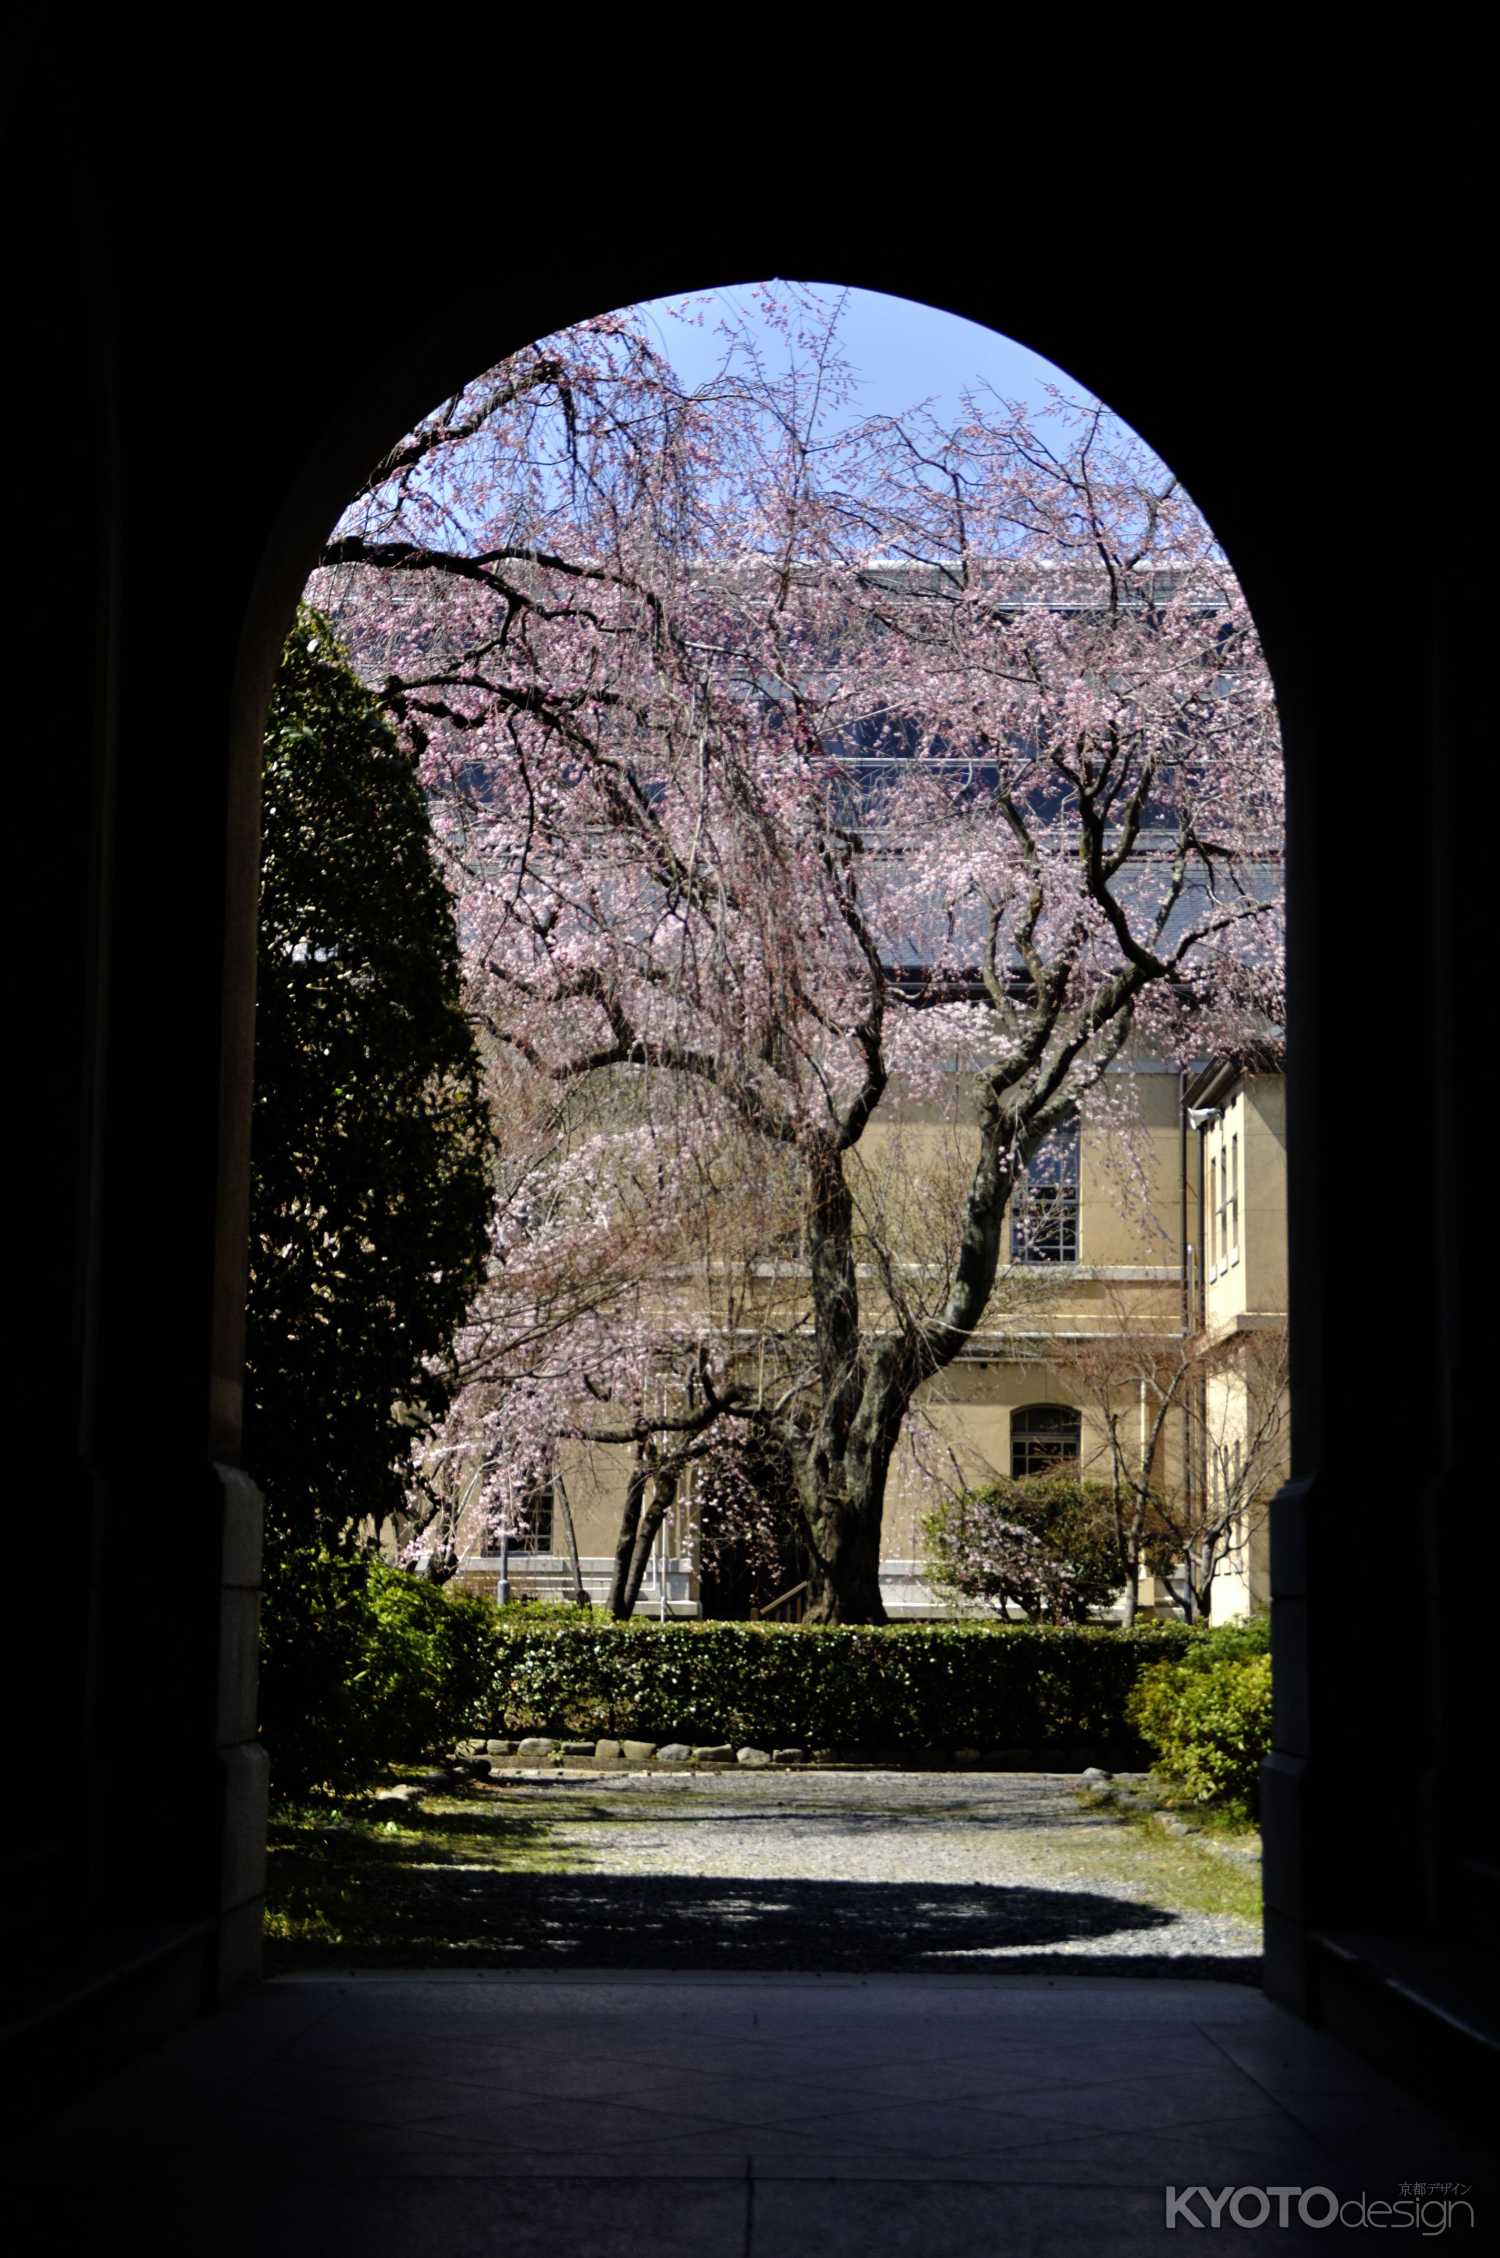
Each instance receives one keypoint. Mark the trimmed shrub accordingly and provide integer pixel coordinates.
(365, 1666)
(1239, 1641)
(1207, 1720)
(531, 1614)
(431, 1660)
(314, 1629)
(905, 1688)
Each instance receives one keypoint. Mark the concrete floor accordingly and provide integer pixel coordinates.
(744, 2116)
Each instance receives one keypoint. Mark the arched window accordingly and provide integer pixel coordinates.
(1044, 1211)
(1044, 1436)
(538, 1504)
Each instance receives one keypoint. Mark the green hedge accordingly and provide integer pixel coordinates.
(365, 1666)
(902, 1687)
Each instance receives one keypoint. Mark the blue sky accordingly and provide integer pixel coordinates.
(904, 352)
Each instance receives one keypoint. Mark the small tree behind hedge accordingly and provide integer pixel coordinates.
(752, 1540)
(1042, 1544)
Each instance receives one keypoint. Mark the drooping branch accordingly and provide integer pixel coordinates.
(773, 760)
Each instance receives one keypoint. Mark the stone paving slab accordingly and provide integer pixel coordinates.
(519, 2114)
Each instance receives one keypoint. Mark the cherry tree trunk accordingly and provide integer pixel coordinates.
(1130, 1563)
(845, 1574)
(622, 1597)
(867, 1385)
(639, 1523)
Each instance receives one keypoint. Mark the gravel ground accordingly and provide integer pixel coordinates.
(841, 1870)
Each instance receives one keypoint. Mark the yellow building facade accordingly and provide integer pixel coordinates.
(1138, 1320)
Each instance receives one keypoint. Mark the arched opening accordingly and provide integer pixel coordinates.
(457, 636)
(1159, 400)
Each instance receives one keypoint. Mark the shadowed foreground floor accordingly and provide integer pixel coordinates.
(728, 2116)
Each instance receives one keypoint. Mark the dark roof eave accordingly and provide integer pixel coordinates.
(1212, 1083)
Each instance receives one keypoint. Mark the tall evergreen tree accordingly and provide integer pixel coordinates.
(371, 1192)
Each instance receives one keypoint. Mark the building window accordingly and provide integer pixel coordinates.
(1043, 1438)
(1234, 1198)
(1221, 1211)
(536, 1510)
(1213, 1218)
(1044, 1211)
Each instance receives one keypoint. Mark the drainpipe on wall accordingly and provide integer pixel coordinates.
(560, 1492)
(1189, 1296)
(1182, 1237)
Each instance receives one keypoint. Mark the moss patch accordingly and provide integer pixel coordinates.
(1184, 1873)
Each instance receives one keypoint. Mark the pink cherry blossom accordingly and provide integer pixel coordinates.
(793, 769)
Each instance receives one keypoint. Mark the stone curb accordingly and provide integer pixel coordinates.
(607, 1755)
(596, 1767)
(1134, 1798)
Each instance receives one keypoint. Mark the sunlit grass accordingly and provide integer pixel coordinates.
(1187, 1873)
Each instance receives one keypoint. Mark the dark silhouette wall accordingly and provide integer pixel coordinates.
(221, 321)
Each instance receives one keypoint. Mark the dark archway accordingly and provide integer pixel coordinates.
(222, 401)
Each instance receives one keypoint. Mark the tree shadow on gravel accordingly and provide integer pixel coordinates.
(474, 1919)
(832, 1819)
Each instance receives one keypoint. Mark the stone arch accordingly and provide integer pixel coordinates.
(276, 374)
(1220, 452)
(475, 329)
